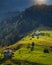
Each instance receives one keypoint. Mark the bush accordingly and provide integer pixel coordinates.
(32, 35)
(32, 44)
(37, 37)
(46, 51)
(51, 47)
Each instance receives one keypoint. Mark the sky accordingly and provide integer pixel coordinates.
(18, 5)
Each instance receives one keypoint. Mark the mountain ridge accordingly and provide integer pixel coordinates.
(28, 20)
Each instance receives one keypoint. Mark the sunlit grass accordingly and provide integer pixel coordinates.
(38, 54)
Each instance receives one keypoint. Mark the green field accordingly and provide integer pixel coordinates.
(37, 55)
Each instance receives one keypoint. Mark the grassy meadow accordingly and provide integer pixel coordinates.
(37, 55)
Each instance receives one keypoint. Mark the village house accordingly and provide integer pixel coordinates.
(8, 53)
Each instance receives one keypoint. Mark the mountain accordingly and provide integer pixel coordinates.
(14, 28)
(11, 14)
(8, 15)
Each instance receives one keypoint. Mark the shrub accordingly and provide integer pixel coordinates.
(32, 35)
(46, 51)
(37, 37)
(51, 47)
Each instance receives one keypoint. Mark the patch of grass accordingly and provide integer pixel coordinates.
(37, 55)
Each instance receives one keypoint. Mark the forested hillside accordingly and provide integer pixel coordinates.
(14, 28)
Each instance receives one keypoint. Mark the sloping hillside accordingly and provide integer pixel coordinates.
(31, 50)
(17, 27)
